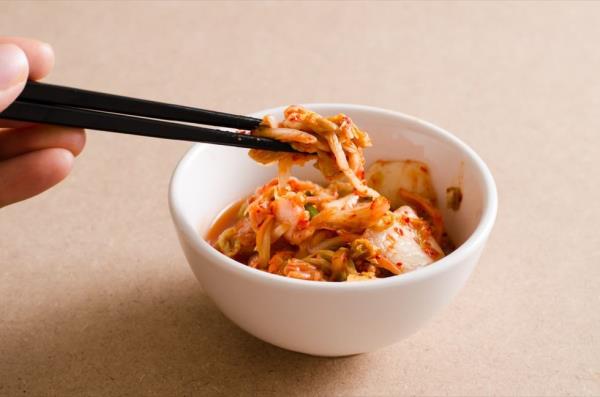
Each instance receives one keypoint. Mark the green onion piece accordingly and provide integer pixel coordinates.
(312, 210)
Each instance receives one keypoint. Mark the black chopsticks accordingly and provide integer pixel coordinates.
(53, 104)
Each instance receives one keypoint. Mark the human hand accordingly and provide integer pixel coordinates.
(33, 157)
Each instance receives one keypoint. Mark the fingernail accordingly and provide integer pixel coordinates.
(13, 66)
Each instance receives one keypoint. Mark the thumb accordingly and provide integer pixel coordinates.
(14, 70)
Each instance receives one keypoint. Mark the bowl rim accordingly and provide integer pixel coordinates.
(469, 247)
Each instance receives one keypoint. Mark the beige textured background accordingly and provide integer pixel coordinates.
(97, 299)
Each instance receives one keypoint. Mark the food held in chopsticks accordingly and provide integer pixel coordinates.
(360, 226)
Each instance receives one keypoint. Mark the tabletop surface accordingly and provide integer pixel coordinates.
(96, 297)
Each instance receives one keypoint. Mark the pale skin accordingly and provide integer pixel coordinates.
(33, 157)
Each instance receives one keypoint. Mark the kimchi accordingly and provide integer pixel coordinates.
(360, 225)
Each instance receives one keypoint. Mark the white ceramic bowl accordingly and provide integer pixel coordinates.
(333, 319)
